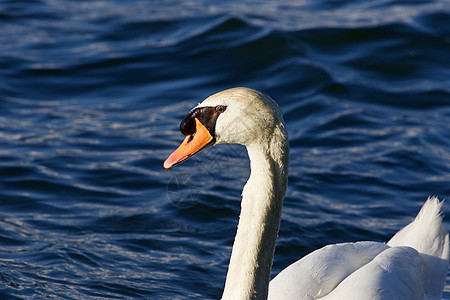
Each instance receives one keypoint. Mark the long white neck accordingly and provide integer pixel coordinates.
(262, 198)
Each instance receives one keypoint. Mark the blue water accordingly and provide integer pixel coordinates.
(91, 96)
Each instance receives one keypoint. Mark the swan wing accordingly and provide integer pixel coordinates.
(413, 265)
(429, 237)
(396, 273)
(318, 273)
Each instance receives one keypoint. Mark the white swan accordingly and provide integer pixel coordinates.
(412, 265)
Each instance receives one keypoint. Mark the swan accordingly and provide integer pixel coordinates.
(412, 265)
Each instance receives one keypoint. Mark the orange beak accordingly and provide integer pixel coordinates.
(191, 145)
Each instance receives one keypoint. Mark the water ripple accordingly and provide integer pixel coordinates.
(91, 95)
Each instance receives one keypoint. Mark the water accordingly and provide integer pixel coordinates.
(91, 95)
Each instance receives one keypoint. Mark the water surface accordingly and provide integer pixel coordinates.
(91, 95)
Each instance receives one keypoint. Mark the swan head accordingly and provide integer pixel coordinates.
(237, 116)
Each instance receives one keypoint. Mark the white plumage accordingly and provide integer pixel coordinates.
(412, 265)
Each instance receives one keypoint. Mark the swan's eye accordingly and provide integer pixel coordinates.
(220, 108)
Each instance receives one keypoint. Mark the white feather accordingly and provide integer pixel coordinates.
(412, 265)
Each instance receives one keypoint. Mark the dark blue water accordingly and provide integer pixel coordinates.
(91, 95)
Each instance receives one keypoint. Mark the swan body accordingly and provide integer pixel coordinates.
(412, 265)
